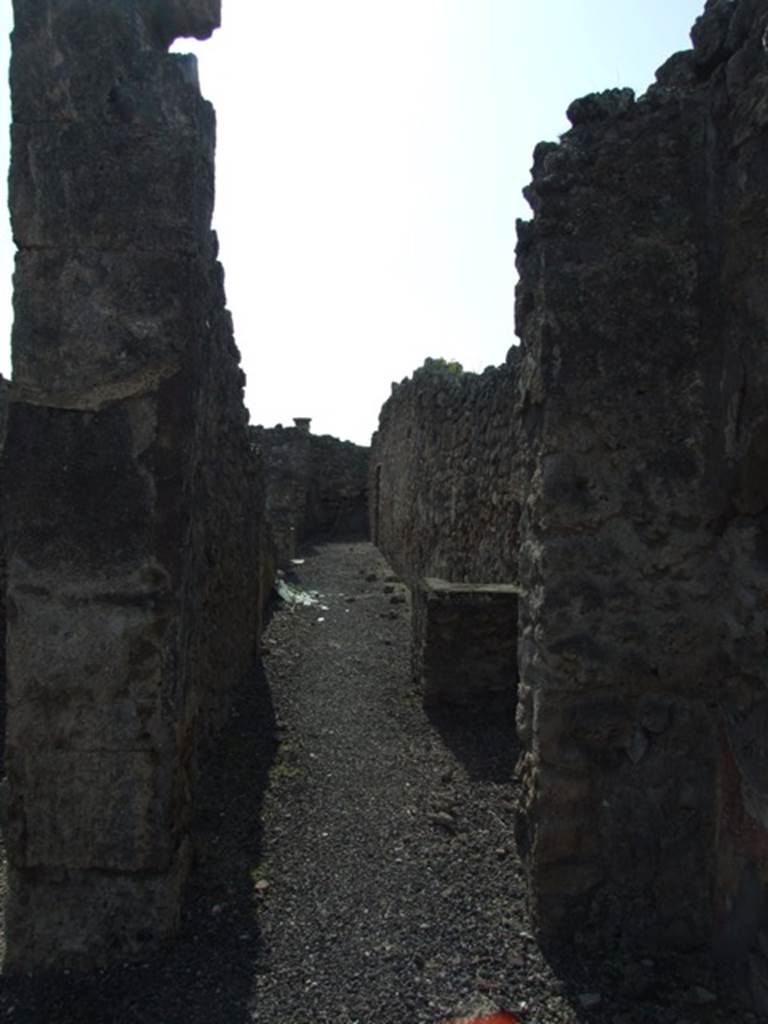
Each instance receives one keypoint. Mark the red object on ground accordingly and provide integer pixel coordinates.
(502, 1017)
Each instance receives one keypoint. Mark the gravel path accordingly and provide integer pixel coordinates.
(355, 857)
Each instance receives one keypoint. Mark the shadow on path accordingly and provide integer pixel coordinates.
(207, 976)
(484, 740)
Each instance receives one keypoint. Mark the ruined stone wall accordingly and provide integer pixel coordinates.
(444, 478)
(643, 311)
(316, 486)
(634, 437)
(134, 518)
(338, 488)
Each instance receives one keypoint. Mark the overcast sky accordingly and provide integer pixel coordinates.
(370, 161)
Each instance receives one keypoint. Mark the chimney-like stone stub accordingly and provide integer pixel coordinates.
(302, 423)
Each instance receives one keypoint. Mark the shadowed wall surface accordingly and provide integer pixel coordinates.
(134, 521)
(633, 442)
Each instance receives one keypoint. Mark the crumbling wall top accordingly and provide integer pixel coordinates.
(175, 19)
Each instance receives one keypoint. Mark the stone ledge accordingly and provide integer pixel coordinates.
(464, 648)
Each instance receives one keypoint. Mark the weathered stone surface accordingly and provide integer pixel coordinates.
(123, 78)
(163, 201)
(444, 475)
(135, 521)
(316, 485)
(633, 442)
(642, 650)
(465, 642)
(128, 915)
(98, 326)
(5, 395)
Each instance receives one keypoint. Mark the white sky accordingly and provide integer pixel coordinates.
(370, 161)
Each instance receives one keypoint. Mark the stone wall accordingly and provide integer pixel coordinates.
(444, 481)
(135, 514)
(634, 440)
(5, 397)
(642, 308)
(464, 649)
(316, 486)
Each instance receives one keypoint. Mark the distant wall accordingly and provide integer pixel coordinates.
(444, 479)
(316, 486)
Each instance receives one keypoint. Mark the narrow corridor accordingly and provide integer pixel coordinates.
(354, 857)
(393, 891)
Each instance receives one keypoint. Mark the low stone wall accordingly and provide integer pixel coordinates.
(134, 520)
(444, 479)
(465, 643)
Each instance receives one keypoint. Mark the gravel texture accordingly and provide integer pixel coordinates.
(355, 856)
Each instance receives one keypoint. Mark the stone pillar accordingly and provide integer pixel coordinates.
(132, 523)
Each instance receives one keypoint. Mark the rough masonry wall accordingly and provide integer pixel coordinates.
(444, 478)
(315, 486)
(133, 521)
(633, 436)
(643, 311)
(5, 397)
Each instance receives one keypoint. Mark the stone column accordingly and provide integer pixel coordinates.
(134, 511)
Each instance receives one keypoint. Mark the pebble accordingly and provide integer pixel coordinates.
(702, 996)
(590, 1000)
(443, 819)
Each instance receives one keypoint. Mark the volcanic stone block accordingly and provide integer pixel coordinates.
(102, 195)
(72, 917)
(465, 641)
(93, 326)
(122, 826)
(122, 81)
(86, 500)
